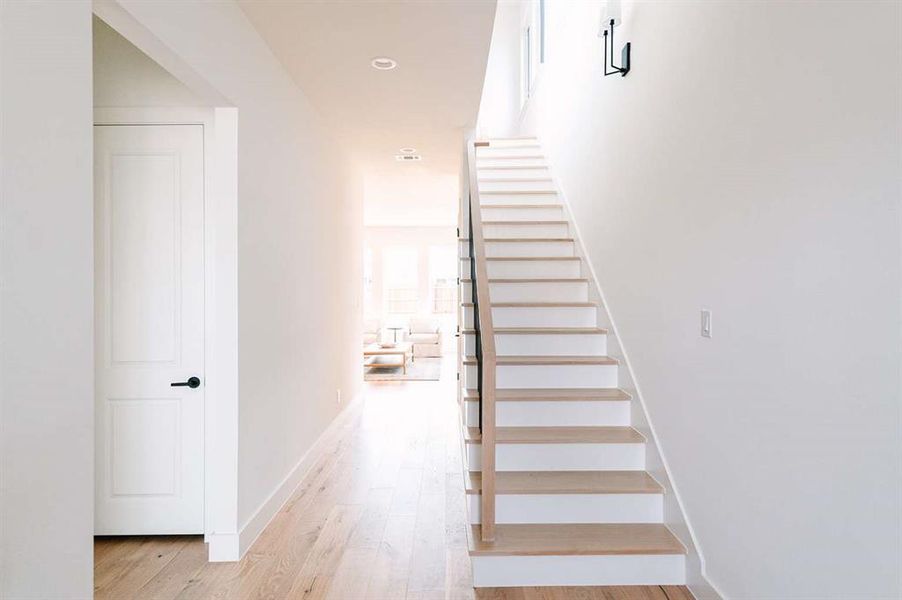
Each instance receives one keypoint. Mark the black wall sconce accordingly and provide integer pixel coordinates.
(624, 67)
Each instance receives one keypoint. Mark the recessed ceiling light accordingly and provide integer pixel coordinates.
(384, 63)
(408, 157)
(407, 150)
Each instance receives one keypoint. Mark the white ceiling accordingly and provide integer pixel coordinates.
(427, 102)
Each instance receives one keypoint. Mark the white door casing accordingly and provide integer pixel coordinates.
(149, 329)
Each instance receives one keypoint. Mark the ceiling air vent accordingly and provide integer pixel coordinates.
(408, 157)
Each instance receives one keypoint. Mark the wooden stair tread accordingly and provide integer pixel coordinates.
(517, 143)
(536, 304)
(530, 279)
(544, 330)
(548, 360)
(534, 141)
(530, 240)
(514, 258)
(524, 222)
(552, 394)
(493, 192)
(485, 206)
(577, 540)
(511, 167)
(537, 154)
(567, 482)
(513, 138)
(559, 435)
(512, 179)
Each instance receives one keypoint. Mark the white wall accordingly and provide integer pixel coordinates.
(46, 301)
(126, 77)
(299, 250)
(750, 164)
(500, 102)
(409, 195)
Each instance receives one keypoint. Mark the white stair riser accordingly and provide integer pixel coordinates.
(496, 198)
(531, 248)
(540, 344)
(514, 186)
(572, 508)
(571, 413)
(533, 291)
(561, 457)
(527, 268)
(537, 316)
(513, 152)
(527, 230)
(485, 174)
(545, 213)
(488, 163)
(548, 376)
(612, 569)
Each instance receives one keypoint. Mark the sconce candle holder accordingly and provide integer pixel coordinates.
(624, 67)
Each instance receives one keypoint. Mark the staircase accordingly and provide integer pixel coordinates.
(568, 498)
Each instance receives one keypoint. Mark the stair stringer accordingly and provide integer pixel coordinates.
(655, 461)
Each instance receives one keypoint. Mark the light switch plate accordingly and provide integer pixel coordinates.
(706, 322)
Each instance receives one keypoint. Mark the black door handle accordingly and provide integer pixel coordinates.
(193, 382)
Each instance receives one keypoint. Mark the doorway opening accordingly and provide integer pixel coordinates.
(165, 289)
(410, 302)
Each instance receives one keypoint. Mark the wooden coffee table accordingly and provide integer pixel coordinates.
(375, 355)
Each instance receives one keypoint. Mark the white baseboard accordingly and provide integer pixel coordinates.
(223, 547)
(705, 590)
(254, 526)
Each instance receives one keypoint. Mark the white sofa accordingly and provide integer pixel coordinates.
(372, 331)
(425, 336)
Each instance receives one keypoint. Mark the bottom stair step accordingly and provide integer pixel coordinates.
(577, 554)
(577, 540)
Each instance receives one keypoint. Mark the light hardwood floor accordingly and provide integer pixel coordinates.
(380, 517)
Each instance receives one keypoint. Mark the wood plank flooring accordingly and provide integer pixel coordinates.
(381, 516)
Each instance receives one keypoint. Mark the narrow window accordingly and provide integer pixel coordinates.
(401, 280)
(542, 31)
(443, 278)
(532, 47)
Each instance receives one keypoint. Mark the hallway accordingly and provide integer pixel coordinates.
(380, 517)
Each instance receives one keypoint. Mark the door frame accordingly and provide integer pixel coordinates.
(220, 162)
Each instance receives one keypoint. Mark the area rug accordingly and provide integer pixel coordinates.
(422, 369)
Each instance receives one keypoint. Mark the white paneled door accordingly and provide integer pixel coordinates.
(149, 323)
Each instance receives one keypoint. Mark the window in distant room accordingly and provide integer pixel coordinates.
(443, 278)
(368, 278)
(399, 266)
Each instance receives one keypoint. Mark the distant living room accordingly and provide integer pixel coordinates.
(410, 301)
